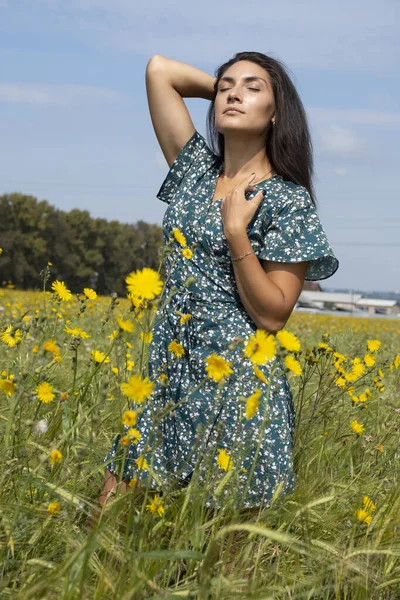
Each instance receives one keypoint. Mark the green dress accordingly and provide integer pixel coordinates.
(209, 416)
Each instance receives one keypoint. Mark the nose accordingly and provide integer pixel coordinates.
(233, 94)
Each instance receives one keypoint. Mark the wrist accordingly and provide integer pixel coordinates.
(234, 234)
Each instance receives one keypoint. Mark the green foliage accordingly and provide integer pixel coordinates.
(86, 252)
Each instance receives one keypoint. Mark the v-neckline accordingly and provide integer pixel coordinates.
(214, 183)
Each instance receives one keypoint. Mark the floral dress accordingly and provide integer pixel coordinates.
(193, 424)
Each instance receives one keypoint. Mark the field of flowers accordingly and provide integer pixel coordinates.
(70, 366)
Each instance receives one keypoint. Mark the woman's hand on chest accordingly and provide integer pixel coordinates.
(236, 211)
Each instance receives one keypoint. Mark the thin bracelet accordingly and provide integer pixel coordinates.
(243, 255)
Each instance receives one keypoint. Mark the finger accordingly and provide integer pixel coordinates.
(245, 182)
(259, 197)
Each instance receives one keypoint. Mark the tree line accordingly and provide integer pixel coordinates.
(84, 251)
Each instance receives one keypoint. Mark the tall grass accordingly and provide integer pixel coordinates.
(307, 544)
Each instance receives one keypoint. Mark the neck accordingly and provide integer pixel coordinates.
(244, 155)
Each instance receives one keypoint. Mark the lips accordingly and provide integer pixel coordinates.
(232, 108)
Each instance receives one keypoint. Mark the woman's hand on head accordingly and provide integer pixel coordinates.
(236, 211)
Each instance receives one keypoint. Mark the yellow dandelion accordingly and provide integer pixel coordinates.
(124, 440)
(184, 318)
(44, 392)
(51, 346)
(217, 367)
(134, 435)
(137, 389)
(54, 508)
(288, 341)
(176, 348)
(368, 504)
(260, 375)
(90, 294)
(55, 456)
(363, 515)
(187, 253)
(179, 237)
(260, 348)
(60, 289)
(99, 357)
(396, 362)
(373, 345)
(77, 332)
(133, 482)
(144, 284)
(340, 381)
(142, 463)
(293, 365)
(224, 460)
(129, 418)
(381, 373)
(163, 379)
(115, 370)
(379, 447)
(369, 360)
(113, 335)
(129, 365)
(35, 349)
(9, 338)
(252, 404)
(156, 506)
(357, 427)
(125, 325)
(7, 386)
(146, 337)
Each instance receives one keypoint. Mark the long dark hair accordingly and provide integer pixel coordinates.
(288, 143)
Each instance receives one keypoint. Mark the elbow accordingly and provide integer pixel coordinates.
(271, 325)
(154, 62)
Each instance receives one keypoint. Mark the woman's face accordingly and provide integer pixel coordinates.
(245, 86)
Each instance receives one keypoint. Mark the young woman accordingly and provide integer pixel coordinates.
(245, 206)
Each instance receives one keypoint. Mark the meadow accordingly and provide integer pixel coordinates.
(68, 365)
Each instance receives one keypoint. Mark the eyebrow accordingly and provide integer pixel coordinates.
(250, 78)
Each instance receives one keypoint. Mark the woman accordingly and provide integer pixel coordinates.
(246, 208)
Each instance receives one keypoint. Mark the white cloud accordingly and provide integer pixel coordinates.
(60, 95)
(337, 141)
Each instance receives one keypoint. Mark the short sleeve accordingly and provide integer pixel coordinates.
(192, 161)
(295, 234)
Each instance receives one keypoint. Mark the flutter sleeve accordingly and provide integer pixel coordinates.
(295, 234)
(192, 161)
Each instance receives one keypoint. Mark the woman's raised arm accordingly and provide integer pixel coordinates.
(168, 81)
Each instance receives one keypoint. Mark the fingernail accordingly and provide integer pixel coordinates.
(264, 191)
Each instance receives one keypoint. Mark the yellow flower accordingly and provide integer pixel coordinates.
(163, 379)
(129, 365)
(142, 463)
(252, 403)
(55, 456)
(53, 508)
(129, 418)
(146, 337)
(373, 345)
(1, 250)
(185, 318)
(176, 348)
(217, 367)
(137, 389)
(9, 338)
(179, 237)
(115, 370)
(379, 447)
(340, 381)
(60, 289)
(45, 392)
(187, 253)
(381, 373)
(144, 284)
(35, 349)
(224, 460)
(363, 516)
(260, 375)
(113, 335)
(124, 440)
(99, 357)
(125, 325)
(134, 435)
(288, 341)
(357, 427)
(396, 361)
(293, 365)
(77, 331)
(368, 504)
(260, 347)
(133, 482)
(324, 347)
(89, 293)
(369, 360)
(7, 386)
(51, 346)
(156, 506)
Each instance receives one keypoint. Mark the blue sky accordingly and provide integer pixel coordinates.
(76, 131)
